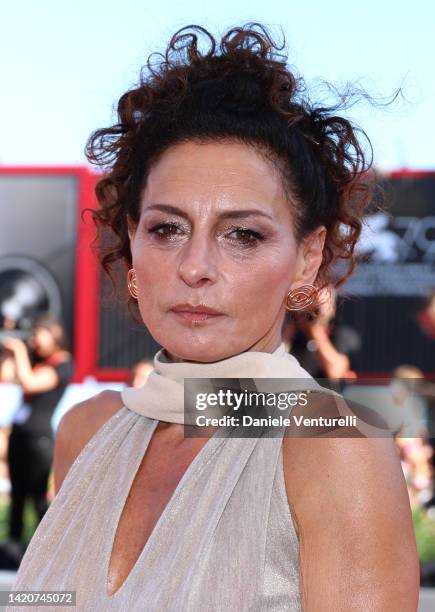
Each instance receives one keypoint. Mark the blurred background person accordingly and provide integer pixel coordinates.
(7, 362)
(426, 314)
(409, 414)
(426, 319)
(323, 345)
(139, 372)
(407, 420)
(43, 368)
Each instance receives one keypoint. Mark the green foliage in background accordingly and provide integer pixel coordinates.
(424, 528)
(30, 519)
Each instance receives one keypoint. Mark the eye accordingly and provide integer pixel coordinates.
(164, 226)
(247, 236)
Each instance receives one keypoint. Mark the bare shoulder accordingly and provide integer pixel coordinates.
(77, 426)
(341, 469)
(351, 510)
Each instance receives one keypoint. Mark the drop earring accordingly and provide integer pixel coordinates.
(132, 283)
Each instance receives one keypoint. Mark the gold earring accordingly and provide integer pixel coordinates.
(132, 283)
(301, 298)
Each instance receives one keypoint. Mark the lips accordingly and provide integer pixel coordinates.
(195, 315)
(201, 309)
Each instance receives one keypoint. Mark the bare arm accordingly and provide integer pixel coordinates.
(351, 509)
(31, 381)
(336, 364)
(7, 369)
(77, 426)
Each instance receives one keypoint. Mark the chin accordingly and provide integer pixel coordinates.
(203, 342)
(193, 350)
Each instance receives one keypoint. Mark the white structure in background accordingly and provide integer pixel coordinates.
(376, 240)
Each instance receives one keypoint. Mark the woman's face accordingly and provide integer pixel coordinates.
(216, 229)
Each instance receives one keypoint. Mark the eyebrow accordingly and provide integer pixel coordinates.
(229, 214)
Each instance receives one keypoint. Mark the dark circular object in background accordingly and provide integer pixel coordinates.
(27, 289)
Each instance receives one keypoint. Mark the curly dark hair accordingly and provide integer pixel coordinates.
(239, 88)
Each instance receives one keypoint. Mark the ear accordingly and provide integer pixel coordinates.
(131, 227)
(310, 257)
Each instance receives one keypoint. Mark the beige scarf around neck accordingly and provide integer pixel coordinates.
(162, 396)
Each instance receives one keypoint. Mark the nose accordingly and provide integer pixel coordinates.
(198, 262)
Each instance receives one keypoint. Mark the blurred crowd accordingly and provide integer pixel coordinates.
(36, 358)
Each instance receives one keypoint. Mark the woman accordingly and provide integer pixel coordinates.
(43, 374)
(226, 191)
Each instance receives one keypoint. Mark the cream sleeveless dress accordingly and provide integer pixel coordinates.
(225, 542)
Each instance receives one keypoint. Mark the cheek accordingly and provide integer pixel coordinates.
(151, 269)
(260, 288)
(148, 271)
